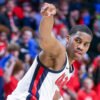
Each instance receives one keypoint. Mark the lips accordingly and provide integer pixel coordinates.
(78, 53)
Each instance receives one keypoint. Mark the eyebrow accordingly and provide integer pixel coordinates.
(78, 38)
(81, 39)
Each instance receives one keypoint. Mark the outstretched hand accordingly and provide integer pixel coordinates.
(48, 10)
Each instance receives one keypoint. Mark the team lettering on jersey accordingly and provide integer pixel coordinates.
(61, 80)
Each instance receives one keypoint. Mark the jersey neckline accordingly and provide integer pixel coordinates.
(50, 70)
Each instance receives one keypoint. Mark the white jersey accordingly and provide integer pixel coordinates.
(40, 83)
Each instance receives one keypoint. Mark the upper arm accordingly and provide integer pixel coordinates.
(51, 45)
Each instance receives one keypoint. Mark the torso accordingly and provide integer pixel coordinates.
(41, 82)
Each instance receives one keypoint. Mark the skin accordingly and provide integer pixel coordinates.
(78, 45)
(88, 84)
(53, 55)
(10, 5)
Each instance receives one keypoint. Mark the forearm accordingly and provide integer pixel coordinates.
(46, 26)
(71, 93)
(9, 69)
(8, 73)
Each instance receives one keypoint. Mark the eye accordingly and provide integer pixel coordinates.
(86, 44)
(78, 41)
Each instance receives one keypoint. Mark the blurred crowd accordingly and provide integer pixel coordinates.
(19, 43)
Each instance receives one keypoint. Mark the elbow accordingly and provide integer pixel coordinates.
(43, 44)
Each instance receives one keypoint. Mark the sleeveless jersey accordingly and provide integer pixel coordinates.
(40, 83)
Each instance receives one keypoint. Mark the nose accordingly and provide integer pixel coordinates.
(80, 47)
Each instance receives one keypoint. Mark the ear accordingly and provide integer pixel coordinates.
(67, 38)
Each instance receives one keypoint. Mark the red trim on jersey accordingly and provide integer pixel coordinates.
(39, 74)
(1, 72)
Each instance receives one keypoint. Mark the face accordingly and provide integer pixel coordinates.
(20, 74)
(75, 14)
(64, 8)
(88, 84)
(27, 8)
(3, 37)
(10, 5)
(26, 36)
(15, 53)
(78, 45)
(63, 32)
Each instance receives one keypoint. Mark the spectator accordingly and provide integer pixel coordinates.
(12, 74)
(29, 19)
(28, 44)
(86, 92)
(75, 18)
(62, 12)
(94, 47)
(97, 73)
(85, 16)
(4, 31)
(57, 25)
(62, 36)
(8, 18)
(12, 51)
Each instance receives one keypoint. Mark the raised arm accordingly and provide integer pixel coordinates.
(48, 41)
(8, 71)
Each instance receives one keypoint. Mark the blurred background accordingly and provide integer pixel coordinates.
(19, 43)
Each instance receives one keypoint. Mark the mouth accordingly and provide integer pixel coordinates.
(78, 53)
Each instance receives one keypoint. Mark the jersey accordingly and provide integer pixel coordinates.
(40, 82)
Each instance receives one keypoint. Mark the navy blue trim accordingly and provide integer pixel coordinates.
(40, 83)
(49, 70)
(32, 82)
(71, 69)
(29, 96)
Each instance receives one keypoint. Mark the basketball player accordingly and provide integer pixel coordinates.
(52, 68)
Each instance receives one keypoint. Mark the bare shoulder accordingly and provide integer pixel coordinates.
(51, 61)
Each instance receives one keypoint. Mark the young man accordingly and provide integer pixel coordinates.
(53, 67)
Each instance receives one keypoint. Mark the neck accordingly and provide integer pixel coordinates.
(71, 60)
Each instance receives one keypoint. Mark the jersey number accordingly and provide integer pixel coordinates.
(61, 80)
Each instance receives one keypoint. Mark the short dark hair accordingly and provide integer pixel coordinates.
(13, 47)
(25, 28)
(4, 29)
(81, 28)
(18, 67)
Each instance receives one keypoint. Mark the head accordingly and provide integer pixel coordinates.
(75, 14)
(18, 70)
(63, 32)
(88, 84)
(96, 27)
(78, 41)
(13, 49)
(26, 34)
(27, 8)
(56, 20)
(63, 6)
(4, 31)
(10, 4)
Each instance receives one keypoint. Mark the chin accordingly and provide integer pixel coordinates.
(77, 58)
